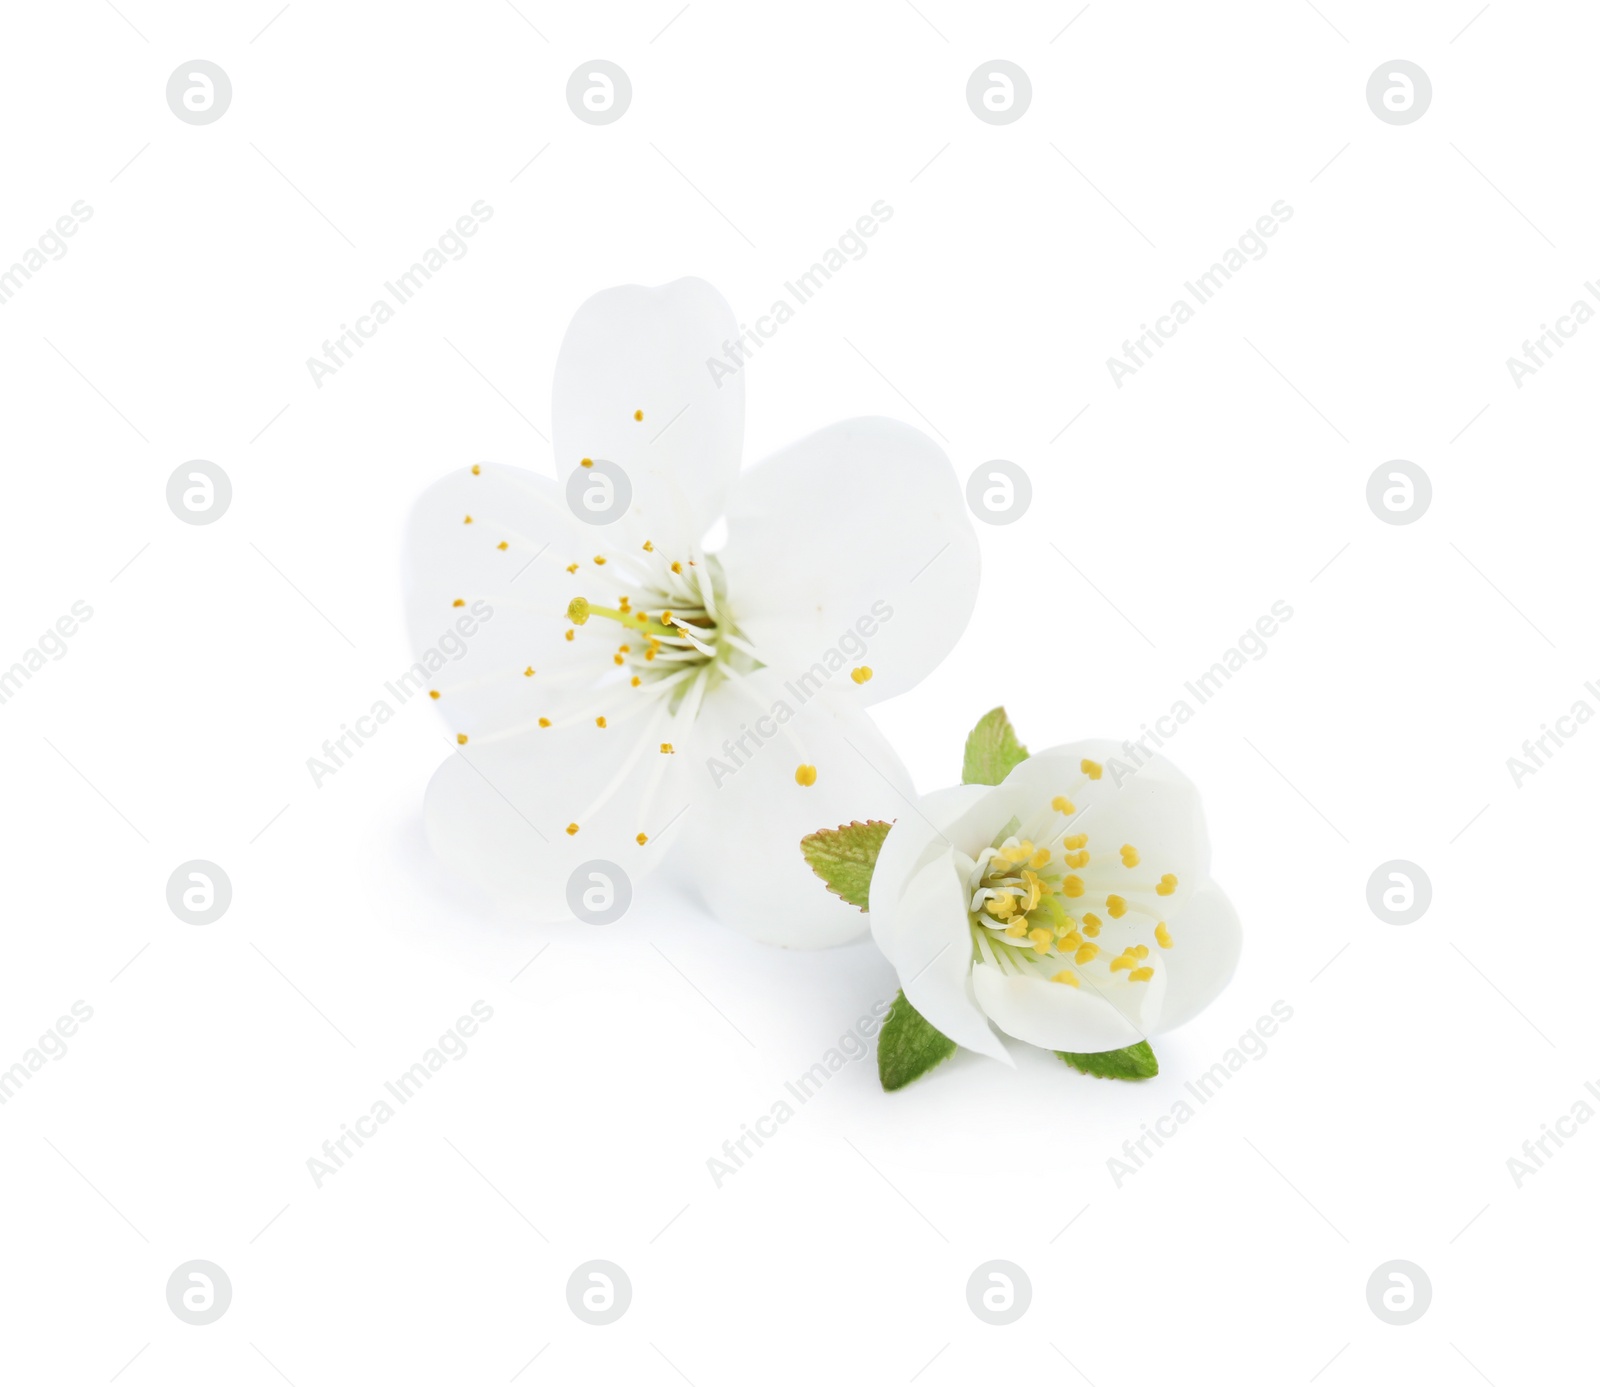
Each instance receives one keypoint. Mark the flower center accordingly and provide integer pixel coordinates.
(678, 639)
(1036, 901)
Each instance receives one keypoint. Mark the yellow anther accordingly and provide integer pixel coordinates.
(1077, 840)
(1116, 907)
(1140, 951)
(585, 462)
(666, 618)
(1163, 935)
(805, 775)
(1035, 889)
(1076, 859)
(1062, 805)
(1041, 940)
(1085, 953)
(677, 567)
(544, 722)
(570, 634)
(861, 674)
(636, 681)
(502, 545)
(1167, 885)
(623, 603)
(528, 673)
(666, 749)
(1071, 940)
(1117, 964)
(572, 829)
(461, 738)
(638, 415)
(476, 469)
(1072, 886)
(467, 520)
(1141, 974)
(600, 559)
(459, 602)
(641, 840)
(1067, 976)
(572, 568)
(1130, 855)
(599, 722)
(616, 659)
(1001, 907)
(1039, 859)
(433, 693)
(1091, 925)
(649, 548)
(1092, 769)
(1017, 930)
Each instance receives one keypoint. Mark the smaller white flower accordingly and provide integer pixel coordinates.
(1069, 906)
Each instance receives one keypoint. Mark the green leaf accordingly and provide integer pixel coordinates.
(908, 1047)
(992, 750)
(1133, 1062)
(845, 856)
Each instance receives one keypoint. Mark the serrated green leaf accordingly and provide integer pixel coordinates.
(845, 856)
(1132, 1062)
(992, 750)
(908, 1047)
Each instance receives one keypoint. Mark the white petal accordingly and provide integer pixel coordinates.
(636, 349)
(498, 815)
(1206, 940)
(749, 814)
(513, 616)
(932, 947)
(1154, 808)
(919, 832)
(853, 547)
(1058, 1016)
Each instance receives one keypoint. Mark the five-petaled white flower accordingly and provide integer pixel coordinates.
(1069, 905)
(631, 695)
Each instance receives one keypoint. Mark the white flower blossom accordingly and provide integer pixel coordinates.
(1067, 907)
(633, 695)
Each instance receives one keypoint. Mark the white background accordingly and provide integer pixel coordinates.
(177, 726)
